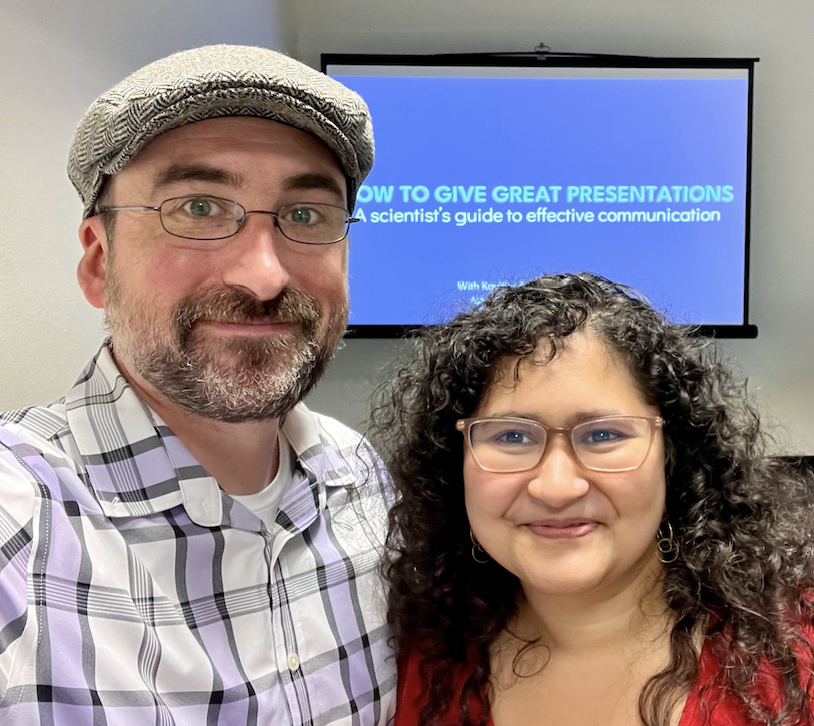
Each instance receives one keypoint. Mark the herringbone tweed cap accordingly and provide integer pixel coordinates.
(218, 80)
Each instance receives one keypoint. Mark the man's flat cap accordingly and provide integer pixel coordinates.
(214, 81)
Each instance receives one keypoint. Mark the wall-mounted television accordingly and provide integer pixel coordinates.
(497, 168)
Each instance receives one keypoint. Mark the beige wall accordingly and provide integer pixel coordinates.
(55, 58)
(780, 363)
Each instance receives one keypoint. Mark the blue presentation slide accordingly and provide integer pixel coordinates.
(480, 181)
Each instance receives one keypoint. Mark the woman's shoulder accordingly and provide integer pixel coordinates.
(712, 703)
(413, 692)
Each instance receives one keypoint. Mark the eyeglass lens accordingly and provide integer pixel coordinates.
(212, 218)
(609, 444)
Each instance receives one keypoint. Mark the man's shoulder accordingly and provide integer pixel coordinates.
(36, 446)
(44, 429)
(32, 461)
(87, 412)
(45, 422)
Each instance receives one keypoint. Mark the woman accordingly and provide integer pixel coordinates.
(588, 530)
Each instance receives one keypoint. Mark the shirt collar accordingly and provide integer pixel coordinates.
(136, 466)
(315, 450)
(322, 464)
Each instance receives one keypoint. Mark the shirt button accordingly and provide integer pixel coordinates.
(293, 661)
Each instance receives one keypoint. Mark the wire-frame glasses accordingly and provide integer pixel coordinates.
(210, 220)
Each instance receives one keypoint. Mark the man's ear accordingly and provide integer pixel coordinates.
(91, 269)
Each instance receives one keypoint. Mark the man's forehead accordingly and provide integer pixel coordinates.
(201, 151)
(179, 173)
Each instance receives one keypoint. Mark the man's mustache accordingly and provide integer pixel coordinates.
(233, 305)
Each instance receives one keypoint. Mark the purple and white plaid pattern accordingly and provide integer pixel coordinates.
(134, 591)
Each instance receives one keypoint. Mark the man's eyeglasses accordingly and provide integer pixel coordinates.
(211, 219)
(607, 444)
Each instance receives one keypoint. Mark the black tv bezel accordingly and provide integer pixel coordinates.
(541, 59)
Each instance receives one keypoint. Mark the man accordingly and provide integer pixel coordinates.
(183, 542)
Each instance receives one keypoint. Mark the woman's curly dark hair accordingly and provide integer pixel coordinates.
(742, 520)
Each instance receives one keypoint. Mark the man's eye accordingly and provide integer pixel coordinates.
(304, 215)
(201, 207)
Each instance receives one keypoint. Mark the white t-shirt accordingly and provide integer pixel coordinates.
(266, 502)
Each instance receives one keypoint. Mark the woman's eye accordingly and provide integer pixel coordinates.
(602, 436)
(513, 437)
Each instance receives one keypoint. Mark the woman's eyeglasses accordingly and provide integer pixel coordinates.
(610, 443)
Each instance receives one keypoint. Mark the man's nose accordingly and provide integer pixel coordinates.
(256, 263)
(558, 479)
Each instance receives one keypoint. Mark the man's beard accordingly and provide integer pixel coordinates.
(237, 379)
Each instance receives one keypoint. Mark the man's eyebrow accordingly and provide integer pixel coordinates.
(314, 181)
(187, 172)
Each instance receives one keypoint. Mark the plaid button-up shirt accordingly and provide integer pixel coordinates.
(133, 590)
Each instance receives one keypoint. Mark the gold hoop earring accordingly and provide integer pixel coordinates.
(666, 543)
(477, 549)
